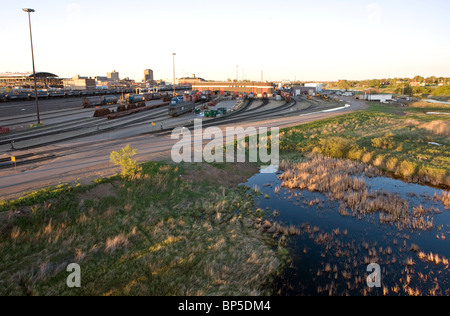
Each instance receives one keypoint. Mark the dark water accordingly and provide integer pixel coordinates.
(332, 252)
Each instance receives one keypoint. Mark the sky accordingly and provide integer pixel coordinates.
(321, 40)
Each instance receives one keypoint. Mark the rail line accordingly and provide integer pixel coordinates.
(107, 126)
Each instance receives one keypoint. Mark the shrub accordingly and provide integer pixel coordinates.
(384, 142)
(391, 164)
(123, 158)
(407, 168)
(337, 147)
(433, 175)
(367, 157)
(379, 160)
(355, 153)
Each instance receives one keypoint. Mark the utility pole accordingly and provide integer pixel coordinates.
(174, 54)
(237, 73)
(29, 11)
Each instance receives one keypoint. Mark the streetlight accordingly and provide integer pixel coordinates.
(174, 54)
(34, 69)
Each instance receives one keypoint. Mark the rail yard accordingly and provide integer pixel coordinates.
(68, 127)
(60, 126)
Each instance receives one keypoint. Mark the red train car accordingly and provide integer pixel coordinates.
(286, 96)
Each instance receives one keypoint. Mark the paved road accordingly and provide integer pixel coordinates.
(89, 159)
(29, 107)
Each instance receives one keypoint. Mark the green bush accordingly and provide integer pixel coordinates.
(337, 147)
(123, 158)
(384, 142)
(407, 168)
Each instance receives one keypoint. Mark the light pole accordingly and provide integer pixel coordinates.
(34, 69)
(174, 54)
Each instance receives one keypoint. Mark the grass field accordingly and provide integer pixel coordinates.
(166, 231)
(406, 142)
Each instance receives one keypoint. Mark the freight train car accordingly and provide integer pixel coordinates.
(183, 104)
(286, 96)
(98, 101)
(92, 101)
(18, 96)
(110, 99)
(134, 98)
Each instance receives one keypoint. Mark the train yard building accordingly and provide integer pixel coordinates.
(80, 83)
(26, 80)
(258, 88)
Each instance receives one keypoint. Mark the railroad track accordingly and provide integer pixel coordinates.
(22, 160)
(68, 128)
(237, 116)
(100, 128)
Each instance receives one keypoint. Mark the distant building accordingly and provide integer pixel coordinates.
(26, 80)
(318, 86)
(113, 77)
(190, 80)
(258, 88)
(148, 76)
(383, 98)
(80, 83)
(296, 91)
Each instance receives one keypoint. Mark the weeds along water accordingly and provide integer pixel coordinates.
(334, 238)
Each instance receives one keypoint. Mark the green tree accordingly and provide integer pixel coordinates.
(124, 159)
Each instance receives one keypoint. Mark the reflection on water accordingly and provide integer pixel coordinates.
(333, 249)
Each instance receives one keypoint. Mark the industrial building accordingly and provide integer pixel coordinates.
(383, 98)
(80, 83)
(318, 86)
(258, 88)
(148, 76)
(190, 80)
(26, 80)
(296, 91)
(113, 77)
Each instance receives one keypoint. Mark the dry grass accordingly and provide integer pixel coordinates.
(439, 127)
(343, 180)
(423, 104)
(157, 234)
(444, 198)
(401, 141)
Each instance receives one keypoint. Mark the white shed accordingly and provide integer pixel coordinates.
(383, 98)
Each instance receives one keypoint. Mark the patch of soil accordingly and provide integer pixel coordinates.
(228, 174)
(100, 191)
